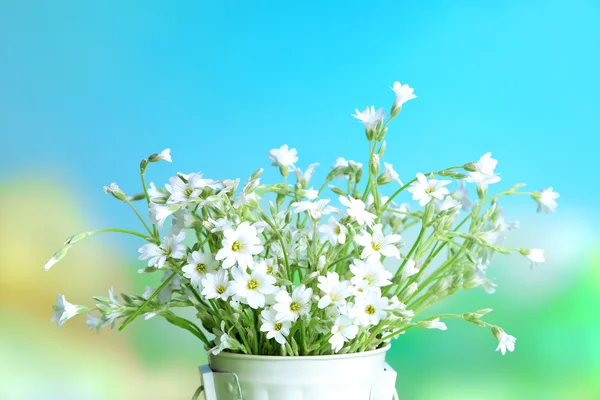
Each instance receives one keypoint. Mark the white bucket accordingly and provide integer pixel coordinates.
(357, 376)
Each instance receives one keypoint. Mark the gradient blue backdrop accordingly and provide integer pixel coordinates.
(87, 89)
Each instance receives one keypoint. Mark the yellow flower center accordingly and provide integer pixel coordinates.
(201, 268)
(252, 284)
(270, 269)
(334, 297)
(429, 190)
(338, 230)
(236, 246)
(188, 192)
(376, 246)
(370, 309)
(295, 307)
(220, 289)
(278, 326)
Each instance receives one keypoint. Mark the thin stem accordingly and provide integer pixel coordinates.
(142, 174)
(140, 218)
(119, 230)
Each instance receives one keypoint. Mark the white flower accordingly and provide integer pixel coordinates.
(239, 246)
(170, 247)
(462, 195)
(343, 330)
(448, 203)
(311, 193)
(425, 189)
(546, 199)
(267, 266)
(283, 156)
(404, 93)
(155, 194)
(252, 287)
(335, 291)
(163, 155)
(64, 310)
(116, 191)
(410, 269)
(317, 209)
(536, 256)
(305, 177)
(183, 192)
(244, 198)
(369, 309)
(93, 322)
(289, 308)
(433, 324)
(388, 175)
(378, 244)
(334, 232)
(219, 225)
(505, 341)
(398, 309)
(199, 264)
(411, 289)
(274, 327)
(484, 171)
(222, 340)
(217, 285)
(159, 213)
(369, 117)
(357, 209)
(373, 275)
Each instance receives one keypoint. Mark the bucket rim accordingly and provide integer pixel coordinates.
(225, 354)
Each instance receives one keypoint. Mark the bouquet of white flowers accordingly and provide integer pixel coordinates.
(276, 269)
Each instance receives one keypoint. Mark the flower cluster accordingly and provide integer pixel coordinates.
(283, 269)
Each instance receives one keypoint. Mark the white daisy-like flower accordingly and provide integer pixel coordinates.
(425, 189)
(218, 225)
(222, 340)
(404, 93)
(546, 199)
(357, 210)
(449, 203)
(276, 329)
(505, 341)
(369, 117)
(185, 191)
(484, 174)
(163, 155)
(217, 285)
(410, 269)
(342, 331)
(156, 195)
(243, 199)
(388, 175)
(239, 246)
(433, 324)
(199, 264)
(170, 247)
(377, 244)
(159, 213)
(63, 310)
(373, 275)
(398, 309)
(252, 287)
(291, 307)
(333, 232)
(305, 177)
(283, 156)
(267, 266)
(536, 256)
(335, 292)
(369, 309)
(316, 209)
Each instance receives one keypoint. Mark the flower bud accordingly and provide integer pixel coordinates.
(76, 238)
(375, 165)
(257, 173)
(395, 111)
(143, 165)
(116, 191)
(163, 155)
(337, 190)
(471, 167)
(382, 148)
(428, 214)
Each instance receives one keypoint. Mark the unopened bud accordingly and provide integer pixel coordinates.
(116, 191)
(337, 190)
(471, 167)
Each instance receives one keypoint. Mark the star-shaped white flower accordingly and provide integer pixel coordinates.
(333, 232)
(377, 244)
(284, 156)
(369, 117)
(252, 287)
(357, 210)
(505, 341)
(410, 269)
(199, 264)
(239, 246)
(275, 328)
(171, 247)
(388, 175)
(291, 307)
(342, 331)
(536, 256)
(433, 324)
(404, 93)
(372, 275)
(316, 209)
(425, 189)
(217, 285)
(546, 199)
(335, 292)
(484, 174)
(369, 309)
(185, 190)
(64, 310)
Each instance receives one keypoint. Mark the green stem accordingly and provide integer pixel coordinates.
(119, 230)
(140, 218)
(142, 174)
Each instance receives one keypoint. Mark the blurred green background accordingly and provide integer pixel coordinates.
(88, 89)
